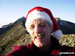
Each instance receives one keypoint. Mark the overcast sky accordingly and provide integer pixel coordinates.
(11, 10)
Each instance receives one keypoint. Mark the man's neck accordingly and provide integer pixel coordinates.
(45, 48)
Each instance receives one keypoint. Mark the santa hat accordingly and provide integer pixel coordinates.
(45, 14)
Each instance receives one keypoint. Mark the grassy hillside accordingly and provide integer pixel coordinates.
(17, 35)
(68, 40)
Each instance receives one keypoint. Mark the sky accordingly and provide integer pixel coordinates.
(11, 10)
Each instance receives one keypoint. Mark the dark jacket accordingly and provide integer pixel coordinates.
(55, 50)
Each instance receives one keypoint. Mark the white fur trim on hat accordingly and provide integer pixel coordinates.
(36, 15)
(57, 34)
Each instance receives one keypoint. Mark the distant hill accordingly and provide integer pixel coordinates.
(66, 26)
(10, 25)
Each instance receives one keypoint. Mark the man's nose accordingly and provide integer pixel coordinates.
(37, 29)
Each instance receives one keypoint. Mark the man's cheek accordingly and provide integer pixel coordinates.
(46, 31)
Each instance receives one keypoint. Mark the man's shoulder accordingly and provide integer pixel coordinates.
(20, 50)
(22, 47)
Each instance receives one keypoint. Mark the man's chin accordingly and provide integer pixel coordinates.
(40, 45)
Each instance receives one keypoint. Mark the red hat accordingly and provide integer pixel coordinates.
(45, 14)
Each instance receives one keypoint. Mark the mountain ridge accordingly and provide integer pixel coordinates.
(63, 25)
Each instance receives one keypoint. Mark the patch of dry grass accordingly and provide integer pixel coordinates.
(68, 40)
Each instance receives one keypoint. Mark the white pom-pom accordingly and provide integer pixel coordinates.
(57, 34)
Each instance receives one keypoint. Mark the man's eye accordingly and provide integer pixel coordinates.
(43, 25)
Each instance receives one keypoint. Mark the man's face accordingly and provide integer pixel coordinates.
(40, 31)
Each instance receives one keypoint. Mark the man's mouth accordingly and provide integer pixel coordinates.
(39, 36)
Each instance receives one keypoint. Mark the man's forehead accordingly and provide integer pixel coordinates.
(39, 21)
